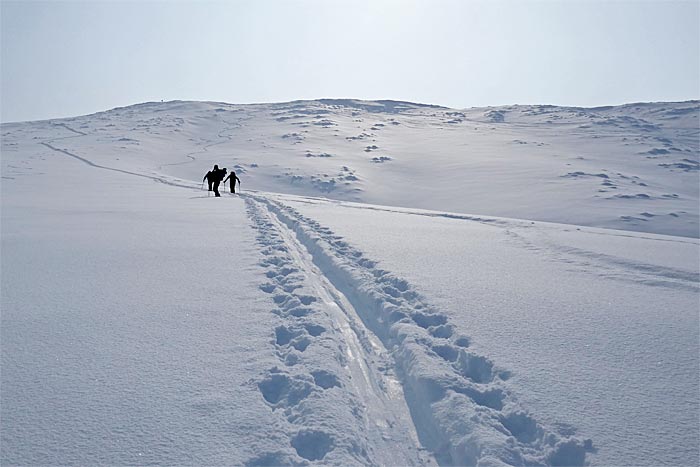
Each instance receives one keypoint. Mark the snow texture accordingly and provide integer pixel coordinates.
(502, 286)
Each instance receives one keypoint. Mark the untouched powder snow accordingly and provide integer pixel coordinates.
(127, 337)
(145, 322)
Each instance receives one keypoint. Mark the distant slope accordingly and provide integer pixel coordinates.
(631, 167)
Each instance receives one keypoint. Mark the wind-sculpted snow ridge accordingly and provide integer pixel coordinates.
(462, 408)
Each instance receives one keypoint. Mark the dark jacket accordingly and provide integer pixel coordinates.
(215, 176)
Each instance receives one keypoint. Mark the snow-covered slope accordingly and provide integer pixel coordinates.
(400, 322)
(632, 167)
(573, 315)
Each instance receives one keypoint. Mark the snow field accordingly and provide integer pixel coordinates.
(130, 323)
(143, 323)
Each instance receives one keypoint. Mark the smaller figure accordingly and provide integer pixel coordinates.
(233, 178)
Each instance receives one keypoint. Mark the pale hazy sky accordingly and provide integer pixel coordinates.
(63, 58)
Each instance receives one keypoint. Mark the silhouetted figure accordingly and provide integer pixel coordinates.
(217, 179)
(214, 177)
(233, 178)
(209, 178)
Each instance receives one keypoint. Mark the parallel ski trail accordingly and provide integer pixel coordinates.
(386, 420)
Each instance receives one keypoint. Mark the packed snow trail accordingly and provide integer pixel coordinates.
(461, 407)
(328, 362)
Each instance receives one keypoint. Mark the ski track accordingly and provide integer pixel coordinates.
(92, 164)
(460, 404)
(486, 220)
(611, 267)
(607, 266)
(156, 178)
(357, 338)
(64, 125)
(326, 360)
(231, 126)
(497, 221)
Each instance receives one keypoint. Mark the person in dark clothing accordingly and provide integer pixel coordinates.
(214, 177)
(209, 178)
(218, 176)
(233, 178)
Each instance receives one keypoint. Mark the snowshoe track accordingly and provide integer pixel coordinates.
(325, 362)
(461, 407)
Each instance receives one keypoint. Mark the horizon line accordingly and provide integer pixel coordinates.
(162, 101)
